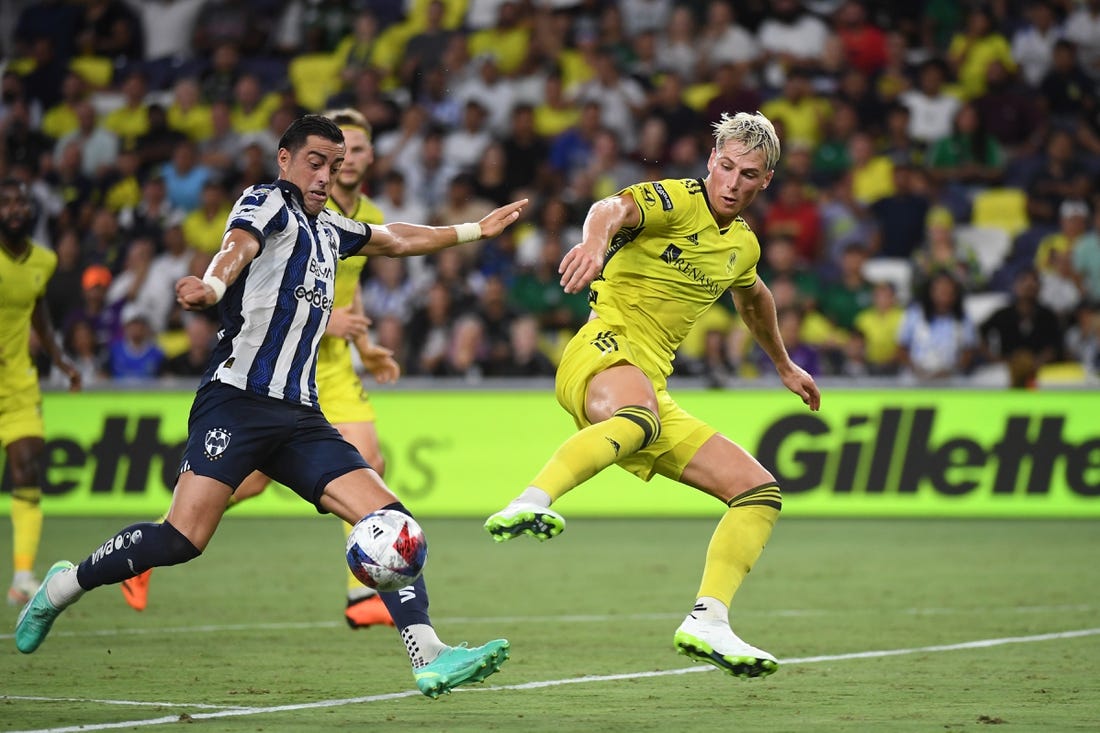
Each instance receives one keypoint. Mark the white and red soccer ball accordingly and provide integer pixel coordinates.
(387, 550)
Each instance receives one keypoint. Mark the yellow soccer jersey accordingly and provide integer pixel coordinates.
(22, 282)
(334, 352)
(663, 275)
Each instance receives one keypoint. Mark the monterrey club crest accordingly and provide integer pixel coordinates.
(215, 443)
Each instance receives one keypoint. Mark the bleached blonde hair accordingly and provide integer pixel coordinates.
(753, 131)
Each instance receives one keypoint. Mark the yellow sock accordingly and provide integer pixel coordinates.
(596, 447)
(26, 525)
(738, 541)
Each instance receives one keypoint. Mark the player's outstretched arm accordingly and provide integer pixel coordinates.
(239, 247)
(407, 240)
(584, 262)
(757, 309)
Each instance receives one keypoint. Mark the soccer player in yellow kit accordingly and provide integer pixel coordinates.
(657, 255)
(25, 268)
(340, 391)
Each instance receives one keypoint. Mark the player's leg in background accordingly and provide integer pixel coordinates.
(197, 506)
(621, 405)
(24, 457)
(726, 471)
(364, 607)
(135, 590)
(437, 667)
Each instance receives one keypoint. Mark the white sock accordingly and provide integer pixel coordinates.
(710, 609)
(62, 590)
(422, 644)
(21, 576)
(533, 495)
(360, 594)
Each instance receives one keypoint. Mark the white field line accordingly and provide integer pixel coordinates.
(236, 712)
(561, 618)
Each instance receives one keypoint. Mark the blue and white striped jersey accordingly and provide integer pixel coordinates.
(274, 314)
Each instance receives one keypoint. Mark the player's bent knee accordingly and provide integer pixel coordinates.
(644, 418)
(766, 494)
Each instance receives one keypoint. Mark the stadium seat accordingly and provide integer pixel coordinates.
(989, 245)
(315, 77)
(896, 270)
(1003, 208)
(980, 306)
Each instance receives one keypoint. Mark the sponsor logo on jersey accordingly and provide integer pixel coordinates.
(315, 296)
(216, 442)
(692, 185)
(319, 270)
(693, 239)
(666, 200)
(647, 197)
(672, 256)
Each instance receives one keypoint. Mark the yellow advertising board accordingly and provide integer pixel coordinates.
(913, 453)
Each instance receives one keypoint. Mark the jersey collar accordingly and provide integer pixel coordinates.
(293, 191)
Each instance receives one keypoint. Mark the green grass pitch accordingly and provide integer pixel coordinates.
(883, 625)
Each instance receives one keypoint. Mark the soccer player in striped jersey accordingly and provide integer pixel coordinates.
(340, 391)
(256, 407)
(25, 268)
(657, 255)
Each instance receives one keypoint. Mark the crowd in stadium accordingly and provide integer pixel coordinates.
(935, 212)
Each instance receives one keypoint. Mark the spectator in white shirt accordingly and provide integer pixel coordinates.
(1033, 43)
(931, 110)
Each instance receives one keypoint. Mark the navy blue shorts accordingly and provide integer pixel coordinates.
(231, 433)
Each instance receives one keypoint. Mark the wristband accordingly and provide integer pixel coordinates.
(468, 232)
(216, 285)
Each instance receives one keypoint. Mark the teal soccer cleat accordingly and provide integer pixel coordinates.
(459, 665)
(521, 517)
(38, 615)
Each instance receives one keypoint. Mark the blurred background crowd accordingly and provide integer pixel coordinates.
(935, 214)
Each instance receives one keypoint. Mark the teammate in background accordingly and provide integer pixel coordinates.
(339, 389)
(256, 407)
(25, 268)
(657, 256)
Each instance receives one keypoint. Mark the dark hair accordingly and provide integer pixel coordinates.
(927, 307)
(305, 126)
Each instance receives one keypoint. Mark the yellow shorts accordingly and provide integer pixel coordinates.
(342, 397)
(597, 347)
(21, 416)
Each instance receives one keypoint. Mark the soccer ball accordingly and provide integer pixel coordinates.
(387, 550)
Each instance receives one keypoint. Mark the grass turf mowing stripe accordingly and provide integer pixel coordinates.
(977, 644)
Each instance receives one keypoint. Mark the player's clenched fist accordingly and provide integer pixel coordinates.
(193, 294)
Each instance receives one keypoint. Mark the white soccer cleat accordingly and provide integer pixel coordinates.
(525, 517)
(713, 642)
(21, 590)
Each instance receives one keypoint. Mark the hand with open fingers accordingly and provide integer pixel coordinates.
(579, 268)
(193, 294)
(799, 381)
(379, 361)
(344, 324)
(498, 220)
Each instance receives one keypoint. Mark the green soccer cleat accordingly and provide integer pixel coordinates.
(38, 615)
(524, 517)
(459, 665)
(715, 643)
